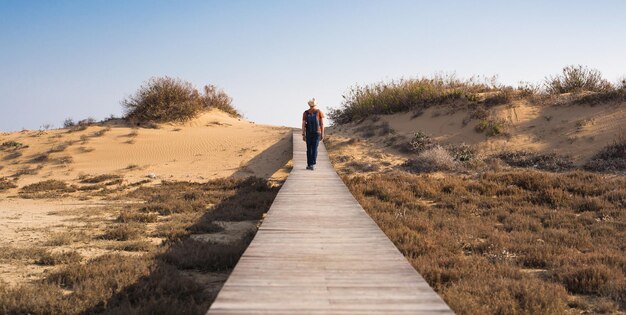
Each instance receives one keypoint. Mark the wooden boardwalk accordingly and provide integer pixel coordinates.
(318, 252)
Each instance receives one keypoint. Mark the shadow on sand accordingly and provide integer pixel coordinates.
(186, 274)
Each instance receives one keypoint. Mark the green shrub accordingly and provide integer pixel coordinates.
(163, 99)
(490, 127)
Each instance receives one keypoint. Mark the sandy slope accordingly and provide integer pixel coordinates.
(575, 130)
(213, 145)
(210, 146)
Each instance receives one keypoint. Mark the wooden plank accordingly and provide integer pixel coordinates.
(318, 252)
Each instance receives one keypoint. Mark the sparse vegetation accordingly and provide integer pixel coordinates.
(491, 127)
(87, 179)
(80, 126)
(155, 278)
(12, 146)
(53, 259)
(5, 184)
(47, 186)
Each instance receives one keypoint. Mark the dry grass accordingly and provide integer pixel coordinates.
(198, 255)
(66, 238)
(154, 279)
(123, 232)
(473, 238)
(46, 189)
(87, 179)
(12, 146)
(549, 162)
(127, 216)
(52, 259)
(16, 253)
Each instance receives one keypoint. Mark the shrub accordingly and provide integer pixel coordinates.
(12, 146)
(577, 79)
(610, 158)
(549, 162)
(490, 127)
(462, 152)
(68, 122)
(216, 98)
(122, 232)
(421, 142)
(47, 185)
(403, 95)
(163, 99)
(431, 160)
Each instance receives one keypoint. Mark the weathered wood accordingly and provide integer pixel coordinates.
(318, 252)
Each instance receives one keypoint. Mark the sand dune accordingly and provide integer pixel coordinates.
(578, 131)
(212, 145)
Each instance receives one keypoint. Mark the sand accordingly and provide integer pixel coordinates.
(211, 146)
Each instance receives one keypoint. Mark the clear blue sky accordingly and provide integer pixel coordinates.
(62, 59)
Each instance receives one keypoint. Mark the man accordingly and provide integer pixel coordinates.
(312, 132)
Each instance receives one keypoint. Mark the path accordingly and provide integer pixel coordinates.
(318, 252)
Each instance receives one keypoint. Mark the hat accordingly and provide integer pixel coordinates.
(312, 102)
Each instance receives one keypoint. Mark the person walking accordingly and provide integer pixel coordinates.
(312, 132)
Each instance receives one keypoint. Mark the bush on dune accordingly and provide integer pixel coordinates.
(216, 98)
(165, 99)
(577, 79)
(403, 95)
(386, 98)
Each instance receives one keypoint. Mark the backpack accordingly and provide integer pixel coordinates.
(312, 122)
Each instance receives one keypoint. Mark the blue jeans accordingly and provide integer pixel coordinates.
(312, 142)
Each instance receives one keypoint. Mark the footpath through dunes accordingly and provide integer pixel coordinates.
(318, 252)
